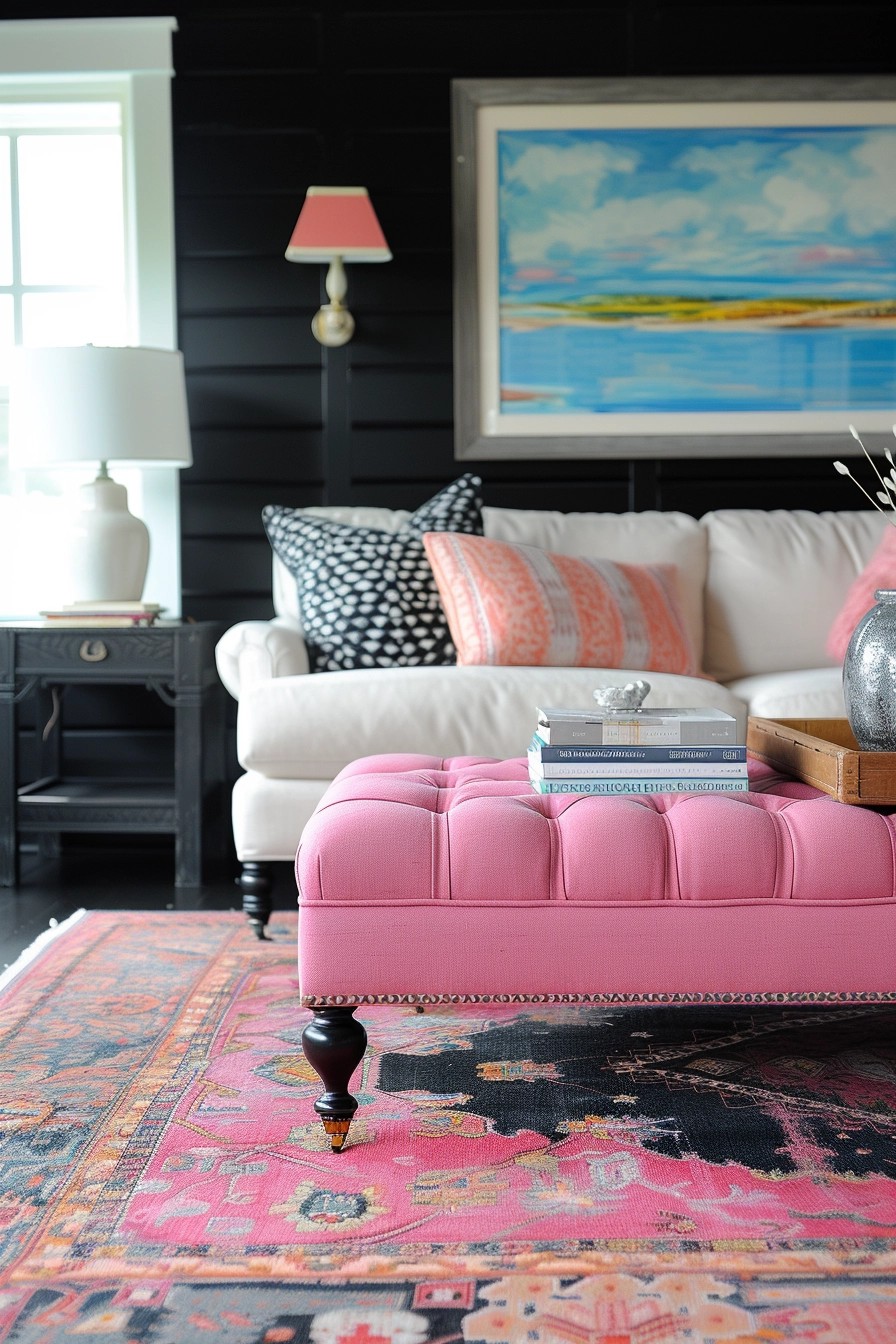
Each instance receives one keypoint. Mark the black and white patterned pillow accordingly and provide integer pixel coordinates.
(368, 597)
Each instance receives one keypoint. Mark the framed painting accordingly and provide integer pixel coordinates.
(668, 267)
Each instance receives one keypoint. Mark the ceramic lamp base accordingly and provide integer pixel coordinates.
(108, 547)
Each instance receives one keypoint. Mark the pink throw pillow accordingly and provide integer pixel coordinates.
(518, 605)
(880, 572)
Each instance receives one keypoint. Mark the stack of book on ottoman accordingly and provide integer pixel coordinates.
(637, 751)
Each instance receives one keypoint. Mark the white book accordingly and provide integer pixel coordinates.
(645, 727)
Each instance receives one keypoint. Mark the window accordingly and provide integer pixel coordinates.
(86, 252)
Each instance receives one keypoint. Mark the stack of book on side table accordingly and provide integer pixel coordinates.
(120, 614)
(616, 751)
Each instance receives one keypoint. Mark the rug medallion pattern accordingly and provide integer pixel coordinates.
(516, 1172)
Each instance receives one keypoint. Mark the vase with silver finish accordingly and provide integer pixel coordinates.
(869, 675)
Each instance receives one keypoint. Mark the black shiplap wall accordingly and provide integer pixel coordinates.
(271, 98)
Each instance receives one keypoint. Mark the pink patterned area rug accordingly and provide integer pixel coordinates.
(560, 1175)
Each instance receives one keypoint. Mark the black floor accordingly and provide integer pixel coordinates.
(112, 878)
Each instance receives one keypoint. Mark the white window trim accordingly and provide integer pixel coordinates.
(37, 55)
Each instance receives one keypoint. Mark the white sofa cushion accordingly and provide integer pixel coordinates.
(311, 726)
(813, 694)
(775, 582)
(269, 815)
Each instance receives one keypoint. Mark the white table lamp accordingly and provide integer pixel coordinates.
(74, 405)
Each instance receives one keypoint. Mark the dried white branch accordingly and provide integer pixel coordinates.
(888, 494)
(890, 514)
(855, 433)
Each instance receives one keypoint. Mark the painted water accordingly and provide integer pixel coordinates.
(608, 368)
(743, 267)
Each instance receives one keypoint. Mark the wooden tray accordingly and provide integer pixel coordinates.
(824, 753)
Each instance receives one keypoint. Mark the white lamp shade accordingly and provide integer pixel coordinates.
(93, 403)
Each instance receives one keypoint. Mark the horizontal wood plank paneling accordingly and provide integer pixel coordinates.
(235, 510)
(387, 454)
(241, 163)
(228, 225)
(246, 341)
(732, 484)
(592, 496)
(580, 39)
(409, 338)
(374, 99)
(246, 284)
(410, 395)
(370, 157)
(417, 280)
(279, 99)
(410, 217)
(771, 39)
(256, 453)
(253, 398)
(589, 496)
(247, 38)
(230, 610)
(232, 564)
(271, 98)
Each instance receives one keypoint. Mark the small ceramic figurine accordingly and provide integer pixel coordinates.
(630, 696)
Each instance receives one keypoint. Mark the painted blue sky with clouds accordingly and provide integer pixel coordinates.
(741, 211)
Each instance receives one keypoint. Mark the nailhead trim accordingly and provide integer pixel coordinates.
(760, 996)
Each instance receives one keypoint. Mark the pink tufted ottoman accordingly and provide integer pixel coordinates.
(424, 880)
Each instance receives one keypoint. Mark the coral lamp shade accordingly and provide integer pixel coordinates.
(337, 221)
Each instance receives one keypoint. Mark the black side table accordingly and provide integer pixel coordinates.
(176, 660)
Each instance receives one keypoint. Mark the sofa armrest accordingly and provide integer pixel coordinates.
(255, 651)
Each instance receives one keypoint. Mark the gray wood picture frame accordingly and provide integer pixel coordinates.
(468, 96)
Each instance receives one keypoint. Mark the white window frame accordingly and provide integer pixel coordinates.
(57, 58)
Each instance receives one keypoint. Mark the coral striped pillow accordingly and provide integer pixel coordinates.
(509, 604)
(880, 572)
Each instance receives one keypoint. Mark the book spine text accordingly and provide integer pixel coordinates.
(622, 786)
(661, 755)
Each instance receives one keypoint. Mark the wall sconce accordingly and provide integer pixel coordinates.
(336, 224)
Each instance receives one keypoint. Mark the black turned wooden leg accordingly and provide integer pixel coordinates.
(256, 882)
(334, 1046)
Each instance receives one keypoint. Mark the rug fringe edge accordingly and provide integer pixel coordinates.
(33, 950)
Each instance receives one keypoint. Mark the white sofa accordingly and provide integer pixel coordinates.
(759, 589)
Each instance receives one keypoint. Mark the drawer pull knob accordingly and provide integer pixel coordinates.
(93, 651)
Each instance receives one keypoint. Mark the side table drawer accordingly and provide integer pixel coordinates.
(86, 651)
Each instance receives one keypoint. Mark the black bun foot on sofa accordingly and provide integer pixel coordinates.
(256, 882)
(334, 1045)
